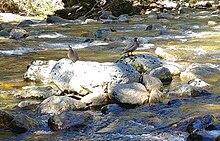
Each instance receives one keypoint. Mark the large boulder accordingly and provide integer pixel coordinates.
(151, 82)
(70, 120)
(59, 104)
(132, 93)
(39, 70)
(83, 76)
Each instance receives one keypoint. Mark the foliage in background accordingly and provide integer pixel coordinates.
(31, 7)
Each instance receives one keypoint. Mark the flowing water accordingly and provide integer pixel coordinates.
(187, 36)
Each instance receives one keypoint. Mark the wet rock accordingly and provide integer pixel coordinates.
(107, 15)
(185, 90)
(194, 137)
(96, 99)
(56, 19)
(102, 33)
(59, 104)
(39, 92)
(164, 54)
(151, 82)
(90, 21)
(28, 103)
(184, 10)
(39, 70)
(132, 93)
(165, 16)
(123, 18)
(5, 26)
(163, 74)
(198, 122)
(205, 72)
(199, 83)
(203, 4)
(5, 33)
(5, 119)
(155, 96)
(174, 68)
(81, 76)
(112, 108)
(22, 123)
(18, 34)
(70, 120)
(25, 23)
(142, 63)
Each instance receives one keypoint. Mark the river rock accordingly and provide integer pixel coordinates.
(163, 74)
(70, 120)
(155, 96)
(28, 103)
(151, 82)
(5, 33)
(22, 123)
(25, 23)
(92, 77)
(173, 67)
(18, 34)
(123, 18)
(199, 83)
(164, 54)
(169, 4)
(102, 33)
(5, 26)
(132, 93)
(183, 124)
(39, 70)
(39, 92)
(96, 99)
(5, 119)
(59, 104)
(56, 19)
(142, 63)
(205, 72)
(112, 108)
(185, 90)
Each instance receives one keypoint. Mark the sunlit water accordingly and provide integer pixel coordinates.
(188, 36)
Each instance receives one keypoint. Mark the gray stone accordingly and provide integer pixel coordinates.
(205, 72)
(112, 108)
(142, 63)
(163, 74)
(18, 34)
(102, 33)
(22, 123)
(25, 23)
(132, 93)
(155, 96)
(59, 104)
(96, 99)
(39, 70)
(70, 120)
(151, 82)
(185, 90)
(39, 92)
(5, 119)
(123, 18)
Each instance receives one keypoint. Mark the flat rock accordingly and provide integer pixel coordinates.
(132, 93)
(205, 72)
(59, 104)
(70, 120)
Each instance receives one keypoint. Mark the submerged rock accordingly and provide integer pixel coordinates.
(59, 104)
(25, 23)
(22, 123)
(132, 93)
(18, 34)
(70, 120)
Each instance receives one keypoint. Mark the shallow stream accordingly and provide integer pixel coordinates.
(189, 37)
